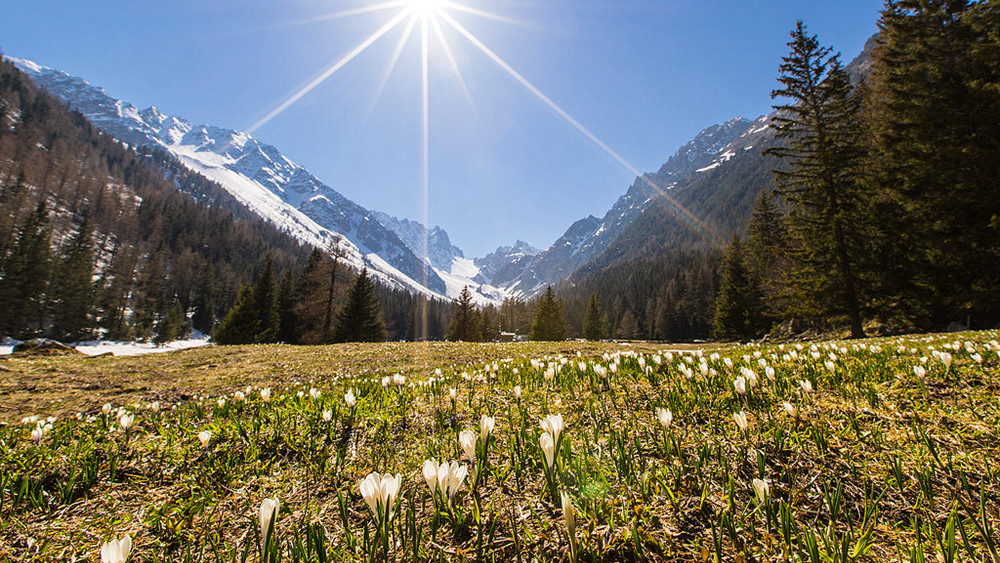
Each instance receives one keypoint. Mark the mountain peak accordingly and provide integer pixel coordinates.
(257, 174)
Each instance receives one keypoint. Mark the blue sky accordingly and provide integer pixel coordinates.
(643, 76)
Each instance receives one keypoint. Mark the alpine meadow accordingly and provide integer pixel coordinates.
(782, 345)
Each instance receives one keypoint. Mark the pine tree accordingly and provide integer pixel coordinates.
(254, 318)
(822, 180)
(934, 105)
(24, 283)
(593, 321)
(310, 294)
(288, 330)
(767, 257)
(465, 321)
(628, 327)
(171, 326)
(74, 288)
(738, 308)
(336, 253)
(549, 322)
(360, 320)
(490, 323)
(240, 323)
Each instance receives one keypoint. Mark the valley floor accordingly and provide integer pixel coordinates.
(876, 450)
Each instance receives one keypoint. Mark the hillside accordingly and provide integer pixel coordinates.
(94, 236)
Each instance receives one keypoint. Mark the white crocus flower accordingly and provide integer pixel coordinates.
(553, 424)
(269, 508)
(664, 416)
(548, 446)
(486, 425)
(116, 551)
(762, 488)
(467, 440)
(741, 420)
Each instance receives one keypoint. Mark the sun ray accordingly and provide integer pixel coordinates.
(397, 53)
(346, 13)
(425, 62)
(490, 15)
(454, 65)
(329, 71)
(576, 124)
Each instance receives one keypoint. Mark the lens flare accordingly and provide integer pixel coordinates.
(425, 8)
(430, 15)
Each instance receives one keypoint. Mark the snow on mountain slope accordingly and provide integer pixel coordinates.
(257, 174)
(448, 260)
(588, 238)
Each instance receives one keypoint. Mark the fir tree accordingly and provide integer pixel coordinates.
(628, 328)
(310, 294)
(738, 309)
(465, 321)
(24, 284)
(336, 253)
(240, 323)
(767, 256)
(490, 323)
(360, 320)
(935, 94)
(74, 288)
(254, 318)
(204, 302)
(822, 180)
(549, 322)
(287, 321)
(593, 321)
(171, 326)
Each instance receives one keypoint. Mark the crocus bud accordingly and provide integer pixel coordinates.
(116, 551)
(468, 442)
(664, 416)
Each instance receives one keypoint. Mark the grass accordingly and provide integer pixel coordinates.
(875, 463)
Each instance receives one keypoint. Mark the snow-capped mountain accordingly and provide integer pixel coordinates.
(505, 263)
(415, 235)
(450, 262)
(257, 174)
(588, 238)
(289, 196)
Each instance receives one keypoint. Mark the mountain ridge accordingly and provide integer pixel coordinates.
(256, 173)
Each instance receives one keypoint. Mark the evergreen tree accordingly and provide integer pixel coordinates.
(465, 321)
(822, 180)
(171, 326)
(360, 320)
(24, 282)
(287, 321)
(767, 256)
(549, 323)
(490, 323)
(74, 288)
(935, 102)
(738, 308)
(240, 323)
(204, 302)
(594, 322)
(336, 253)
(628, 328)
(265, 298)
(254, 318)
(311, 292)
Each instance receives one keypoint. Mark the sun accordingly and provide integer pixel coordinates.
(425, 8)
